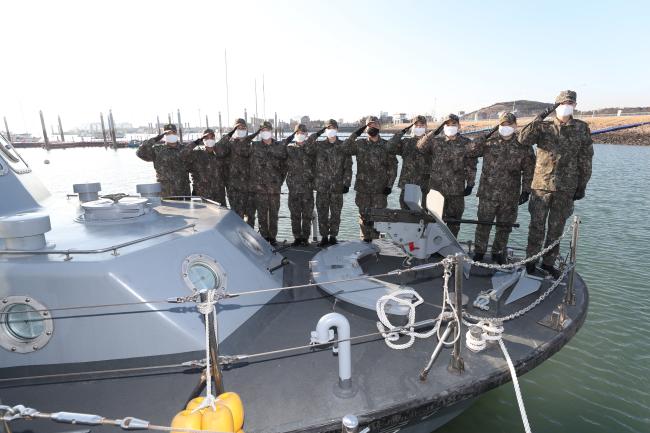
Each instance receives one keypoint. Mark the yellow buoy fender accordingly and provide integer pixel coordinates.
(187, 419)
(234, 403)
(219, 419)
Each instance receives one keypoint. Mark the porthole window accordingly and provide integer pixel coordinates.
(202, 277)
(202, 272)
(25, 324)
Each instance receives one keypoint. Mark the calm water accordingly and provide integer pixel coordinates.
(600, 382)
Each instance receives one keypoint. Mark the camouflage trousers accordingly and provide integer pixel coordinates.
(243, 203)
(301, 207)
(267, 206)
(328, 207)
(170, 188)
(216, 192)
(505, 212)
(453, 209)
(371, 201)
(423, 203)
(549, 211)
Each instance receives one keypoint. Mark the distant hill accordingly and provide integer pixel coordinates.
(522, 107)
(532, 108)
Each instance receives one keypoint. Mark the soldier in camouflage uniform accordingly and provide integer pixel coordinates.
(333, 176)
(207, 166)
(505, 184)
(415, 165)
(237, 145)
(267, 173)
(562, 170)
(376, 171)
(171, 171)
(452, 170)
(300, 181)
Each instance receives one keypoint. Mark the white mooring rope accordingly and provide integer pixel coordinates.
(206, 308)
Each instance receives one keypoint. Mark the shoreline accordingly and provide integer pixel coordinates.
(639, 136)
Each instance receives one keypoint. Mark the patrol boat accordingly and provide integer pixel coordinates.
(108, 301)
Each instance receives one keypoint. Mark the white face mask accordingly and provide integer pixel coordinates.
(171, 138)
(506, 131)
(418, 131)
(209, 142)
(331, 133)
(240, 133)
(266, 135)
(564, 110)
(450, 130)
(300, 138)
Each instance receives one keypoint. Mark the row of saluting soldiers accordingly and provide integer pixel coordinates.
(251, 172)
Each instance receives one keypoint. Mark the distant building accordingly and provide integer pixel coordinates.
(399, 118)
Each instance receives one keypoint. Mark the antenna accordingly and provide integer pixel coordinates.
(225, 58)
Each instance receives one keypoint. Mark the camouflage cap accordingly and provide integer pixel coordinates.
(507, 118)
(266, 125)
(333, 123)
(207, 132)
(451, 117)
(419, 119)
(300, 127)
(240, 121)
(372, 119)
(566, 95)
(170, 127)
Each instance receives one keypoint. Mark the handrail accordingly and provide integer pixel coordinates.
(112, 248)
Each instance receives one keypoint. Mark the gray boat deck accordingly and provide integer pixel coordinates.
(295, 391)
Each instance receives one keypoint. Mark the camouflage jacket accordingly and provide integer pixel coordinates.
(332, 166)
(268, 166)
(376, 164)
(206, 167)
(300, 165)
(507, 168)
(237, 152)
(415, 165)
(564, 154)
(452, 168)
(168, 163)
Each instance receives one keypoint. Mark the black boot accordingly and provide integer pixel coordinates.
(333, 240)
(530, 267)
(478, 257)
(304, 242)
(498, 258)
(323, 242)
(367, 240)
(297, 242)
(273, 242)
(555, 273)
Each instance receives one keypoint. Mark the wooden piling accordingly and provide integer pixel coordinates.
(220, 127)
(61, 129)
(158, 124)
(7, 129)
(46, 140)
(101, 119)
(180, 126)
(111, 125)
(207, 124)
(275, 124)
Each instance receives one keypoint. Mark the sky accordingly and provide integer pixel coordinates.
(339, 59)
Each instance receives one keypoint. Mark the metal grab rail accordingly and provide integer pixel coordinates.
(112, 248)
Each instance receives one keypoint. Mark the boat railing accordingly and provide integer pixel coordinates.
(113, 248)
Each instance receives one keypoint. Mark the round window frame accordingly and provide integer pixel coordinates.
(208, 262)
(9, 341)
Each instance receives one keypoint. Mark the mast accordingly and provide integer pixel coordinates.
(225, 58)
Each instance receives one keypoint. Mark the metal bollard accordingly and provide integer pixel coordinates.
(570, 296)
(457, 363)
(349, 424)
